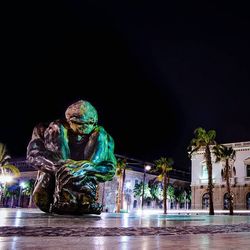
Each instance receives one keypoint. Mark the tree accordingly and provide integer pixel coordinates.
(180, 197)
(155, 191)
(5, 166)
(138, 190)
(203, 139)
(163, 166)
(28, 190)
(170, 193)
(10, 192)
(120, 173)
(227, 155)
(188, 197)
(6, 169)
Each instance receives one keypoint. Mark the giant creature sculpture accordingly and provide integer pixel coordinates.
(72, 156)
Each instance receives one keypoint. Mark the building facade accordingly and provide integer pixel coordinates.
(131, 203)
(240, 182)
(107, 191)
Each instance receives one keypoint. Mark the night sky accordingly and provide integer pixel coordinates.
(155, 71)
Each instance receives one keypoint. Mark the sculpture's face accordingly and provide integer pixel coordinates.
(83, 127)
(82, 117)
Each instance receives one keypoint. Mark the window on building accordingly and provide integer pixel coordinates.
(248, 201)
(248, 170)
(204, 174)
(226, 201)
(205, 201)
(135, 204)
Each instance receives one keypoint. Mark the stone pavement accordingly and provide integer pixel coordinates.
(121, 231)
(33, 229)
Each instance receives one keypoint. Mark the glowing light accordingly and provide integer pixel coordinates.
(6, 178)
(23, 184)
(128, 185)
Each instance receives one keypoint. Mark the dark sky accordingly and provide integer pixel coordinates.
(155, 71)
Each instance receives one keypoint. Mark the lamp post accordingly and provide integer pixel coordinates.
(146, 168)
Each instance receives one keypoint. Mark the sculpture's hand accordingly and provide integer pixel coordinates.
(77, 171)
(43, 164)
(72, 171)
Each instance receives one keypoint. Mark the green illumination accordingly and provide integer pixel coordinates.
(72, 157)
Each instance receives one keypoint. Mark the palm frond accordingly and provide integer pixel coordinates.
(4, 156)
(160, 177)
(194, 149)
(211, 134)
(13, 169)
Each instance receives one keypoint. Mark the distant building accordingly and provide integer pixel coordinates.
(240, 182)
(108, 190)
(130, 202)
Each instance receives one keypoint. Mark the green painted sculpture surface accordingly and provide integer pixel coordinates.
(72, 156)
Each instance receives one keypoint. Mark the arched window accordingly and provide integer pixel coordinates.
(205, 201)
(248, 170)
(248, 201)
(135, 204)
(247, 164)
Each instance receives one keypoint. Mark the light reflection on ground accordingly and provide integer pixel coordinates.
(33, 229)
(34, 217)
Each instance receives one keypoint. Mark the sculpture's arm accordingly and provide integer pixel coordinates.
(102, 162)
(103, 157)
(38, 153)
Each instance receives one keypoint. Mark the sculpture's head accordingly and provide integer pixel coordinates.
(82, 117)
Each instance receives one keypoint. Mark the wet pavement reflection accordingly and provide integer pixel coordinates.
(33, 229)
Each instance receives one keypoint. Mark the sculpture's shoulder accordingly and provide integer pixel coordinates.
(58, 124)
(56, 128)
(103, 134)
(47, 132)
(38, 130)
(48, 141)
(101, 130)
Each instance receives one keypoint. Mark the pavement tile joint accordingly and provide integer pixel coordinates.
(9, 231)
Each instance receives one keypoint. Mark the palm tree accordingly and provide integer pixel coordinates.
(6, 169)
(120, 173)
(5, 166)
(164, 165)
(205, 139)
(226, 155)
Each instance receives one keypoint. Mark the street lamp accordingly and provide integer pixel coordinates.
(146, 168)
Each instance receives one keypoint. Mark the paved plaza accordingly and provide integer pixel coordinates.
(33, 229)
